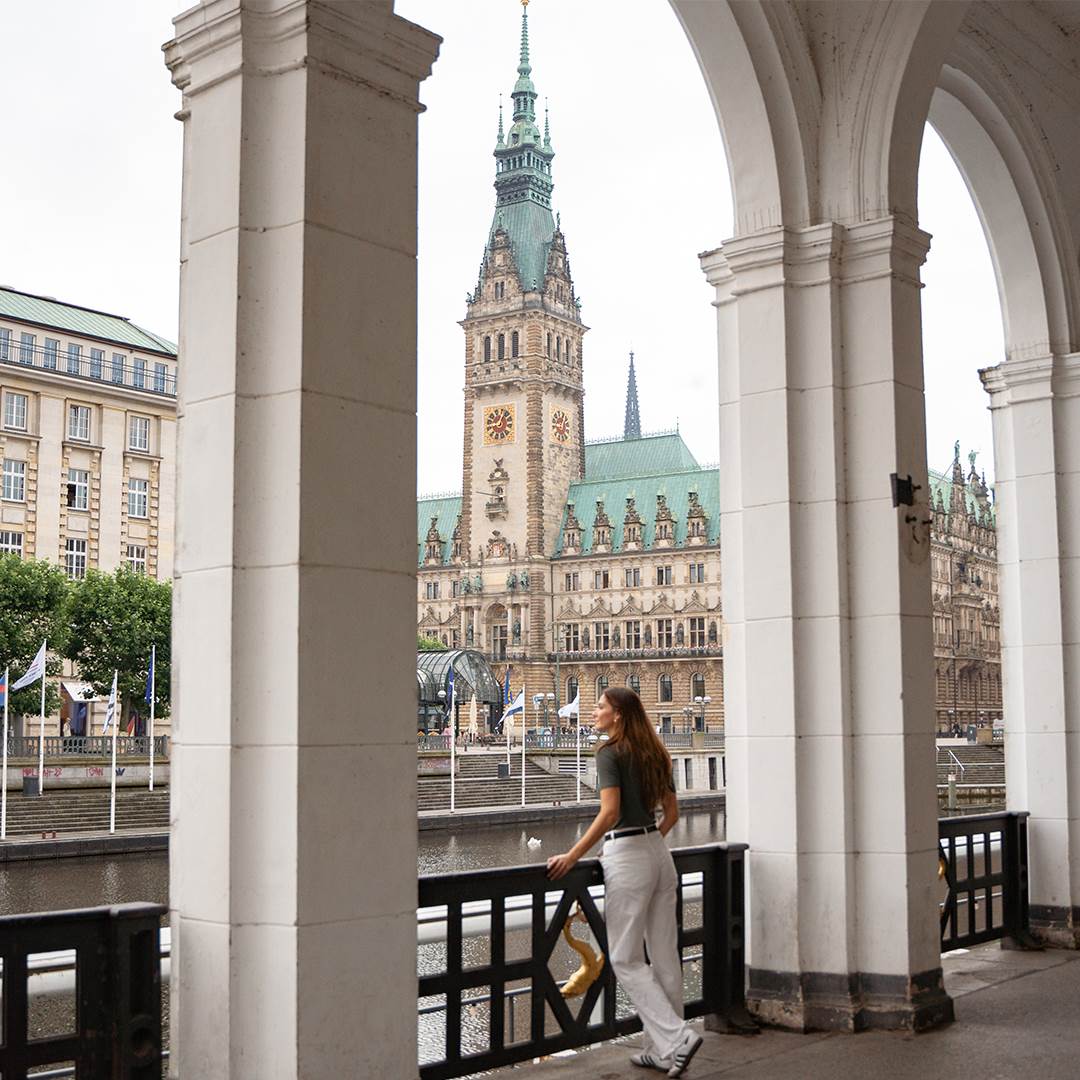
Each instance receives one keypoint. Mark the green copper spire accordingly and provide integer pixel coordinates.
(547, 128)
(500, 141)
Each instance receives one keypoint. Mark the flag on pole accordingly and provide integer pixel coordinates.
(35, 671)
(506, 687)
(3, 689)
(148, 697)
(518, 705)
(450, 696)
(572, 709)
(110, 712)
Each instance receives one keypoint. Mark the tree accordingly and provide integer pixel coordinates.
(32, 595)
(113, 621)
(429, 644)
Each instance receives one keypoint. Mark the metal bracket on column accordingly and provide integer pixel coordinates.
(903, 490)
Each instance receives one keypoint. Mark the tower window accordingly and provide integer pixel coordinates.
(514, 343)
(502, 346)
(549, 345)
(487, 347)
(558, 348)
(500, 290)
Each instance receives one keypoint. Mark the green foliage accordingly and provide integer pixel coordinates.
(32, 596)
(113, 620)
(429, 644)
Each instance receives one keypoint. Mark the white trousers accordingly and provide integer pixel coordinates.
(639, 910)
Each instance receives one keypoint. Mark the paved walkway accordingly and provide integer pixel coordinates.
(1017, 1016)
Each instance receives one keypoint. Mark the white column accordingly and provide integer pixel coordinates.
(1035, 404)
(827, 642)
(293, 863)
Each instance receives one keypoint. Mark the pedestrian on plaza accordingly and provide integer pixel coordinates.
(634, 774)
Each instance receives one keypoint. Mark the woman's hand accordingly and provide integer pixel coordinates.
(560, 865)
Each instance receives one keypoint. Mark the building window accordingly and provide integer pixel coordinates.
(97, 359)
(117, 367)
(633, 635)
(500, 290)
(26, 348)
(664, 688)
(688, 771)
(601, 579)
(502, 346)
(571, 637)
(514, 343)
(431, 590)
(697, 686)
(139, 433)
(136, 558)
(601, 685)
(549, 345)
(52, 350)
(15, 411)
(159, 378)
(634, 683)
(697, 573)
(602, 635)
(498, 641)
(138, 498)
(74, 358)
(572, 689)
(79, 422)
(14, 485)
(11, 543)
(5, 343)
(572, 581)
(697, 632)
(633, 577)
(138, 373)
(664, 634)
(75, 559)
(663, 575)
(78, 489)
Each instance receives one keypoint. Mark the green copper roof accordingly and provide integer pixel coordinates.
(446, 509)
(46, 311)
(941, 483)
(614, 492)
(617, 458)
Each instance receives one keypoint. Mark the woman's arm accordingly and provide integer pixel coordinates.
(670, 805)
(610, 803)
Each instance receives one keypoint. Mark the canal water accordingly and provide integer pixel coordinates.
(55, 884)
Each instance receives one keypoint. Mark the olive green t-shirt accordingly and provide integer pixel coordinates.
(617, 770)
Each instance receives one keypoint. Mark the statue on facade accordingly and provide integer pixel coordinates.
(511, 582)
(524, 579)
(478, 584)
(517, 631)
(679, 635)
(712, 632)
(469, 634)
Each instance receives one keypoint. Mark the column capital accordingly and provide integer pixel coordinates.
(1034, 378)
(365, 43)
(887, 247)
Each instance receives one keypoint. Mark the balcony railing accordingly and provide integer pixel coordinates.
(473, 1017)
(81, 746)
(83, 367)
(433, 742)
(677, 740)
(619, 652)
(983, 862)
(115, 1022)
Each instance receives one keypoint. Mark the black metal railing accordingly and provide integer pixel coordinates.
(80, 746)
(714, 740)
(116, 1027)
(983, 864)
(521, 914)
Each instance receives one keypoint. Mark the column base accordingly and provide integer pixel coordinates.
(826, 1001)
(1056, 927)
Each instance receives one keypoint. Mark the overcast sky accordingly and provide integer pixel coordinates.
(91, 193)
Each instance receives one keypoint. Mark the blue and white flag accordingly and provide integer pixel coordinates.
(450, 696)
(518, 705)
(506, 687)
(35, 671)
(110, 712)
(149, 695)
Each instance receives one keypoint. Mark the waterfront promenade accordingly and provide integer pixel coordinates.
(1017, 1016)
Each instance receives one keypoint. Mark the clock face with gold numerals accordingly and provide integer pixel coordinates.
(560, 426)
(498, 424)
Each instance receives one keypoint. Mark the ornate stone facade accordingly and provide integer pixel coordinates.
(964, 574)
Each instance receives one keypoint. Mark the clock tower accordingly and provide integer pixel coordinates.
(523, 373)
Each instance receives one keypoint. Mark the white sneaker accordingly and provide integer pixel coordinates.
(680, 1057)
(647, 1060)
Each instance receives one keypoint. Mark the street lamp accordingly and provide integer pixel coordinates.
(701, 702)
(442, 702)
(687, 714)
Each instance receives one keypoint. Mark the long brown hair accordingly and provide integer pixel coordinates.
(637, 737)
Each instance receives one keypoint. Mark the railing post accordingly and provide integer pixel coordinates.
(1014, 862)
(726, 967)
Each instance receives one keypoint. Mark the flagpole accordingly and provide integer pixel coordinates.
(578, 770)
(112, 783)
(523, 747)
(153, 694)
(453, 739)
(41, 727)
(3, 782)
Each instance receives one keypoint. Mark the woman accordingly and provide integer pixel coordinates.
(634, 776)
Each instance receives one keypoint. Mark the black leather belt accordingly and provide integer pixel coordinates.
(641, 830)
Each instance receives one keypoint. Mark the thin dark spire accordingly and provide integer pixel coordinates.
(632, 424)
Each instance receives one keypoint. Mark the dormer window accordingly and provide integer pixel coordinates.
(500, 290)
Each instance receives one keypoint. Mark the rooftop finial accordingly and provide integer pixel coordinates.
(632, 423)
(547, 126)
(523, 64)
(501, 138)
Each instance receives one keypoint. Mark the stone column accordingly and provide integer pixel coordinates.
(1035, 404)
(827, 626)
(293, 862)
